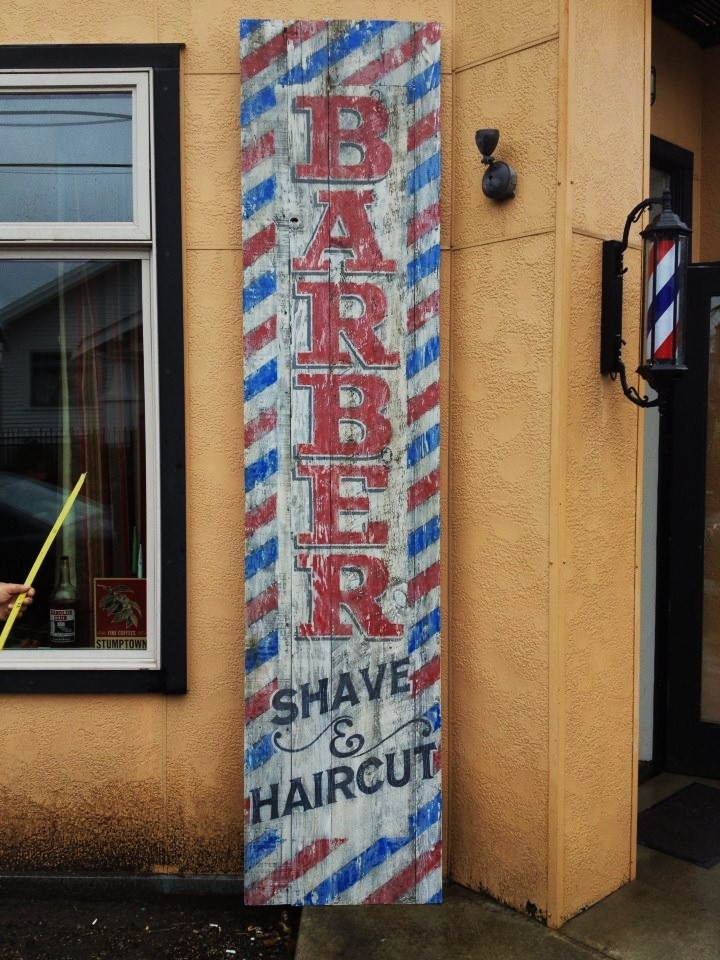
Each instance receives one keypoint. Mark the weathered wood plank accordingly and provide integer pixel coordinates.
(340, 148)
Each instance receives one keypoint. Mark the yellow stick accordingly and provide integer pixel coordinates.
(40, 557)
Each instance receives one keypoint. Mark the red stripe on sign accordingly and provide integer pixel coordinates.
(263, 603)
(261, 515)
(412, 874)
(262, 149)
(437, 760)
(246, 815)
(259, 337)
(255, 62)
(419, 315)
(284, 875)
(396, 57)
(423, 583)
(423, 223)
(423, 489)
(261, 425)
(426, 676)
(259, 702)
(261, 242)
(421, 131)
(423, 402)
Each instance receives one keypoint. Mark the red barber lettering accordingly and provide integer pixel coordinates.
(360, 602)
(350, 398)
(345, 227)
(329, 132)
(328, 326)
(328, 503)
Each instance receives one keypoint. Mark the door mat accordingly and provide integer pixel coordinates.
(685, 825)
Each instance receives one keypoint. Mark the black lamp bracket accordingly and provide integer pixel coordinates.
(634, 216)
(630, 392)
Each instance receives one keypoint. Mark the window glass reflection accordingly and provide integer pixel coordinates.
(66, 157)
(71, 400)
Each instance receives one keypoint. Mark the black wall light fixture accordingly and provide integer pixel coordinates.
(666, 243)
(499, 180)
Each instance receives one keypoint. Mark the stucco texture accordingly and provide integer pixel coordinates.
(499, 468)
(543, 634)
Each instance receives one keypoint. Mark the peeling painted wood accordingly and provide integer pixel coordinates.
(341, 168)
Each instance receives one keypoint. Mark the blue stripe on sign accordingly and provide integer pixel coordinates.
(423, 83)
(423, 265)
(421, 538)
(258, 754)
(263, 378)
(435, 898)
(424, 629)
(358, 35)
(257, 850)
(349, 874)
(423, 445)
(423, 174)
(256, 106)
(426, 816)
(663, 299)
(260, 470)
(265, 649)
(247, 27)
(422, 357)
(433, 716)
(258, 290)
(258, 196)
(261, 558)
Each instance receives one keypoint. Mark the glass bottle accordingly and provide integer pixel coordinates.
(63, 609)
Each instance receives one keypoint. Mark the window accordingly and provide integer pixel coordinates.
(90, 297)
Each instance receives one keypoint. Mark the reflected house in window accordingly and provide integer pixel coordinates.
(45, 371)
(77, 406)
(38, 299)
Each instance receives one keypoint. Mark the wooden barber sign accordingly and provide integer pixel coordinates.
(341, 169)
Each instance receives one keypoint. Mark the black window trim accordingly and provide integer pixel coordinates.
(164, 60)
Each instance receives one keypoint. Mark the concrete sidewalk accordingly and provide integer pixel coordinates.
(671, 912)
(466, 926)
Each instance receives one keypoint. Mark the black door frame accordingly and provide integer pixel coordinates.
(691, 745)
(678, 163)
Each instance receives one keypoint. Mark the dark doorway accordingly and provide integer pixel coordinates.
(671, 167)
(692, 729)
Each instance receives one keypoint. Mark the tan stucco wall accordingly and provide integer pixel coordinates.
(543, 621)
(539, 458)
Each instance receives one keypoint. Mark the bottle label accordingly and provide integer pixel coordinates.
(62, 625)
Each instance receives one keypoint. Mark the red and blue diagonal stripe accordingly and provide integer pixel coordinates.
(661, 301)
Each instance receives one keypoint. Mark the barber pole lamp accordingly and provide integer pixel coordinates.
(662, 331)
(665, 257)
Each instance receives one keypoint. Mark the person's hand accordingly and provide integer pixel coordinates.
(8, 595)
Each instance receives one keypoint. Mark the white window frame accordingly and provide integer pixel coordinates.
(135, 82)
(106, 241)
